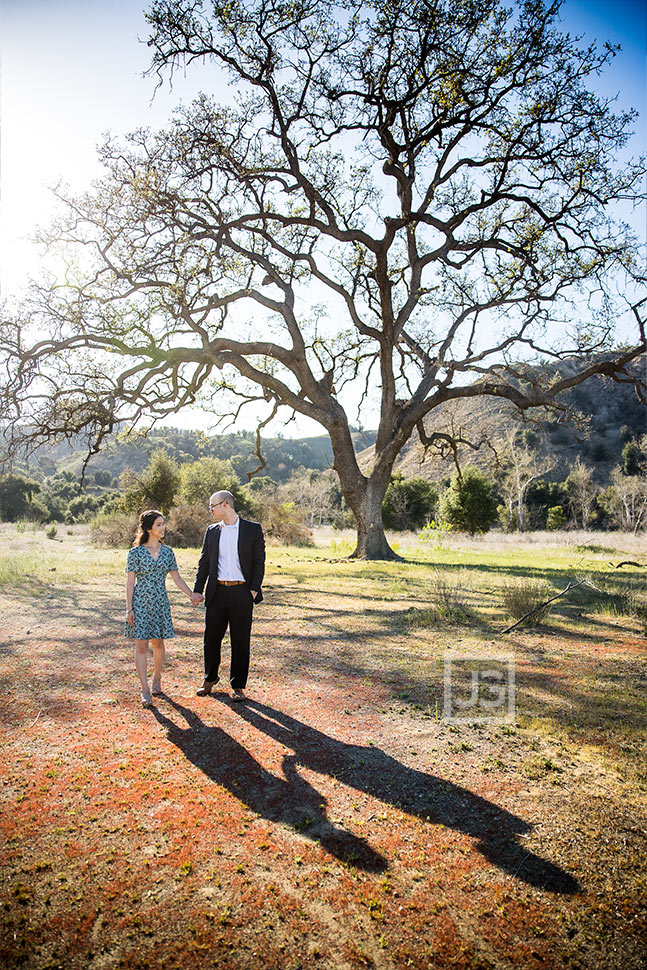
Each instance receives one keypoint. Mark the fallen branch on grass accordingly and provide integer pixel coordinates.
(541, 606)
(627, 562)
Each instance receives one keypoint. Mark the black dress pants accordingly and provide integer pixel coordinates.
(230, 605)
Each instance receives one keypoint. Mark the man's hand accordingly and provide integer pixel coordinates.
(254, 593)
(196, 598)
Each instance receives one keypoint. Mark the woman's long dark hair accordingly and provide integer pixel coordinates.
(144, 526)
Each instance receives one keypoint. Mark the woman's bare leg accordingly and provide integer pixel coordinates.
(141, 653)
(159, 654)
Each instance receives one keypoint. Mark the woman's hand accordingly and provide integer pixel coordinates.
(130, 617)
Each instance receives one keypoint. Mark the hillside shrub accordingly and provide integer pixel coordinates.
(200, 479)
(116, 530)
(81, 509)
(185, 528)
(469, 504)
(509, 520)
(540, 497)
(598, 449)
(556, 518)
(409, 503)
(447, 596)
(155, 487)
(283, 523)
(524, 595)
(17, 499)
(186, 525)
(634, 457)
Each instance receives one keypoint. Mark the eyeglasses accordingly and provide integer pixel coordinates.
(212, 507)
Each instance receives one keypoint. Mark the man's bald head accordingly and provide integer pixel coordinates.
(222, 496)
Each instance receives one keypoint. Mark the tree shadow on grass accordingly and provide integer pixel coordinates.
(368, 769)
(289, 800)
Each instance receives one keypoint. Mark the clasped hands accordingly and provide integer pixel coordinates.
(196, 599)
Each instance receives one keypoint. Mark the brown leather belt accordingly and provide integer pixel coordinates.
(230, 582)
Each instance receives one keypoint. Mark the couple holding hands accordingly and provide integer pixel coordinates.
(231, 564)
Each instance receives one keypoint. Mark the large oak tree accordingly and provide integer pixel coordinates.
(401, 201)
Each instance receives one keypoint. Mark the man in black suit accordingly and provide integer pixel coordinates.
(233, 562)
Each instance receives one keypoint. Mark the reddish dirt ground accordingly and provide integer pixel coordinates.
(334, 820)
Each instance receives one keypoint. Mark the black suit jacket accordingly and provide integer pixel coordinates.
(251, 553)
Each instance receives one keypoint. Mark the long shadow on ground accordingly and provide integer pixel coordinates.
(368, 769)
(290, 799)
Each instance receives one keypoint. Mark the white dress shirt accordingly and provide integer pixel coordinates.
(228, 561)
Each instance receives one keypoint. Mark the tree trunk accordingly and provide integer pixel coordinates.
(363, 495)
(371, 540)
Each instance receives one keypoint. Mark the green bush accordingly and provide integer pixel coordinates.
(469, 504)
(56, 506)
(409, 503)
(556, 518)
(17, 498)
(81, 509)
(200, 479)
(447, 602)
(540, 497)
(634, 459)
(509, 520)
(155, 487)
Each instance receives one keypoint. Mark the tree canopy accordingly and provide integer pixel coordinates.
(401, 202)
(16, 495)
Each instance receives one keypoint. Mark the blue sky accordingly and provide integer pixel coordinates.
(71, 70)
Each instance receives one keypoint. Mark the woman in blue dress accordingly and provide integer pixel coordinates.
(148, 616)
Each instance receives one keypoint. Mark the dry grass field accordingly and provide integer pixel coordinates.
(337, 819)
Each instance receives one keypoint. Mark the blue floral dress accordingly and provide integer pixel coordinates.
(150, 599)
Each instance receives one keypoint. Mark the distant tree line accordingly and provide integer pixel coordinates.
(517, 493)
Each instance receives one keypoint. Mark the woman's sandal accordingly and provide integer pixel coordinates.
(147, 700)
(156, 688)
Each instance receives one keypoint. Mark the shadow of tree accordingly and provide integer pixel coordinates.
(368, 769)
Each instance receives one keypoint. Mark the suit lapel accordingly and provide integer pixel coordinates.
(241, 529)
(216, 540)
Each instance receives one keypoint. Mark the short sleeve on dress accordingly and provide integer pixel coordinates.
(131, 561)
(172, 562)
